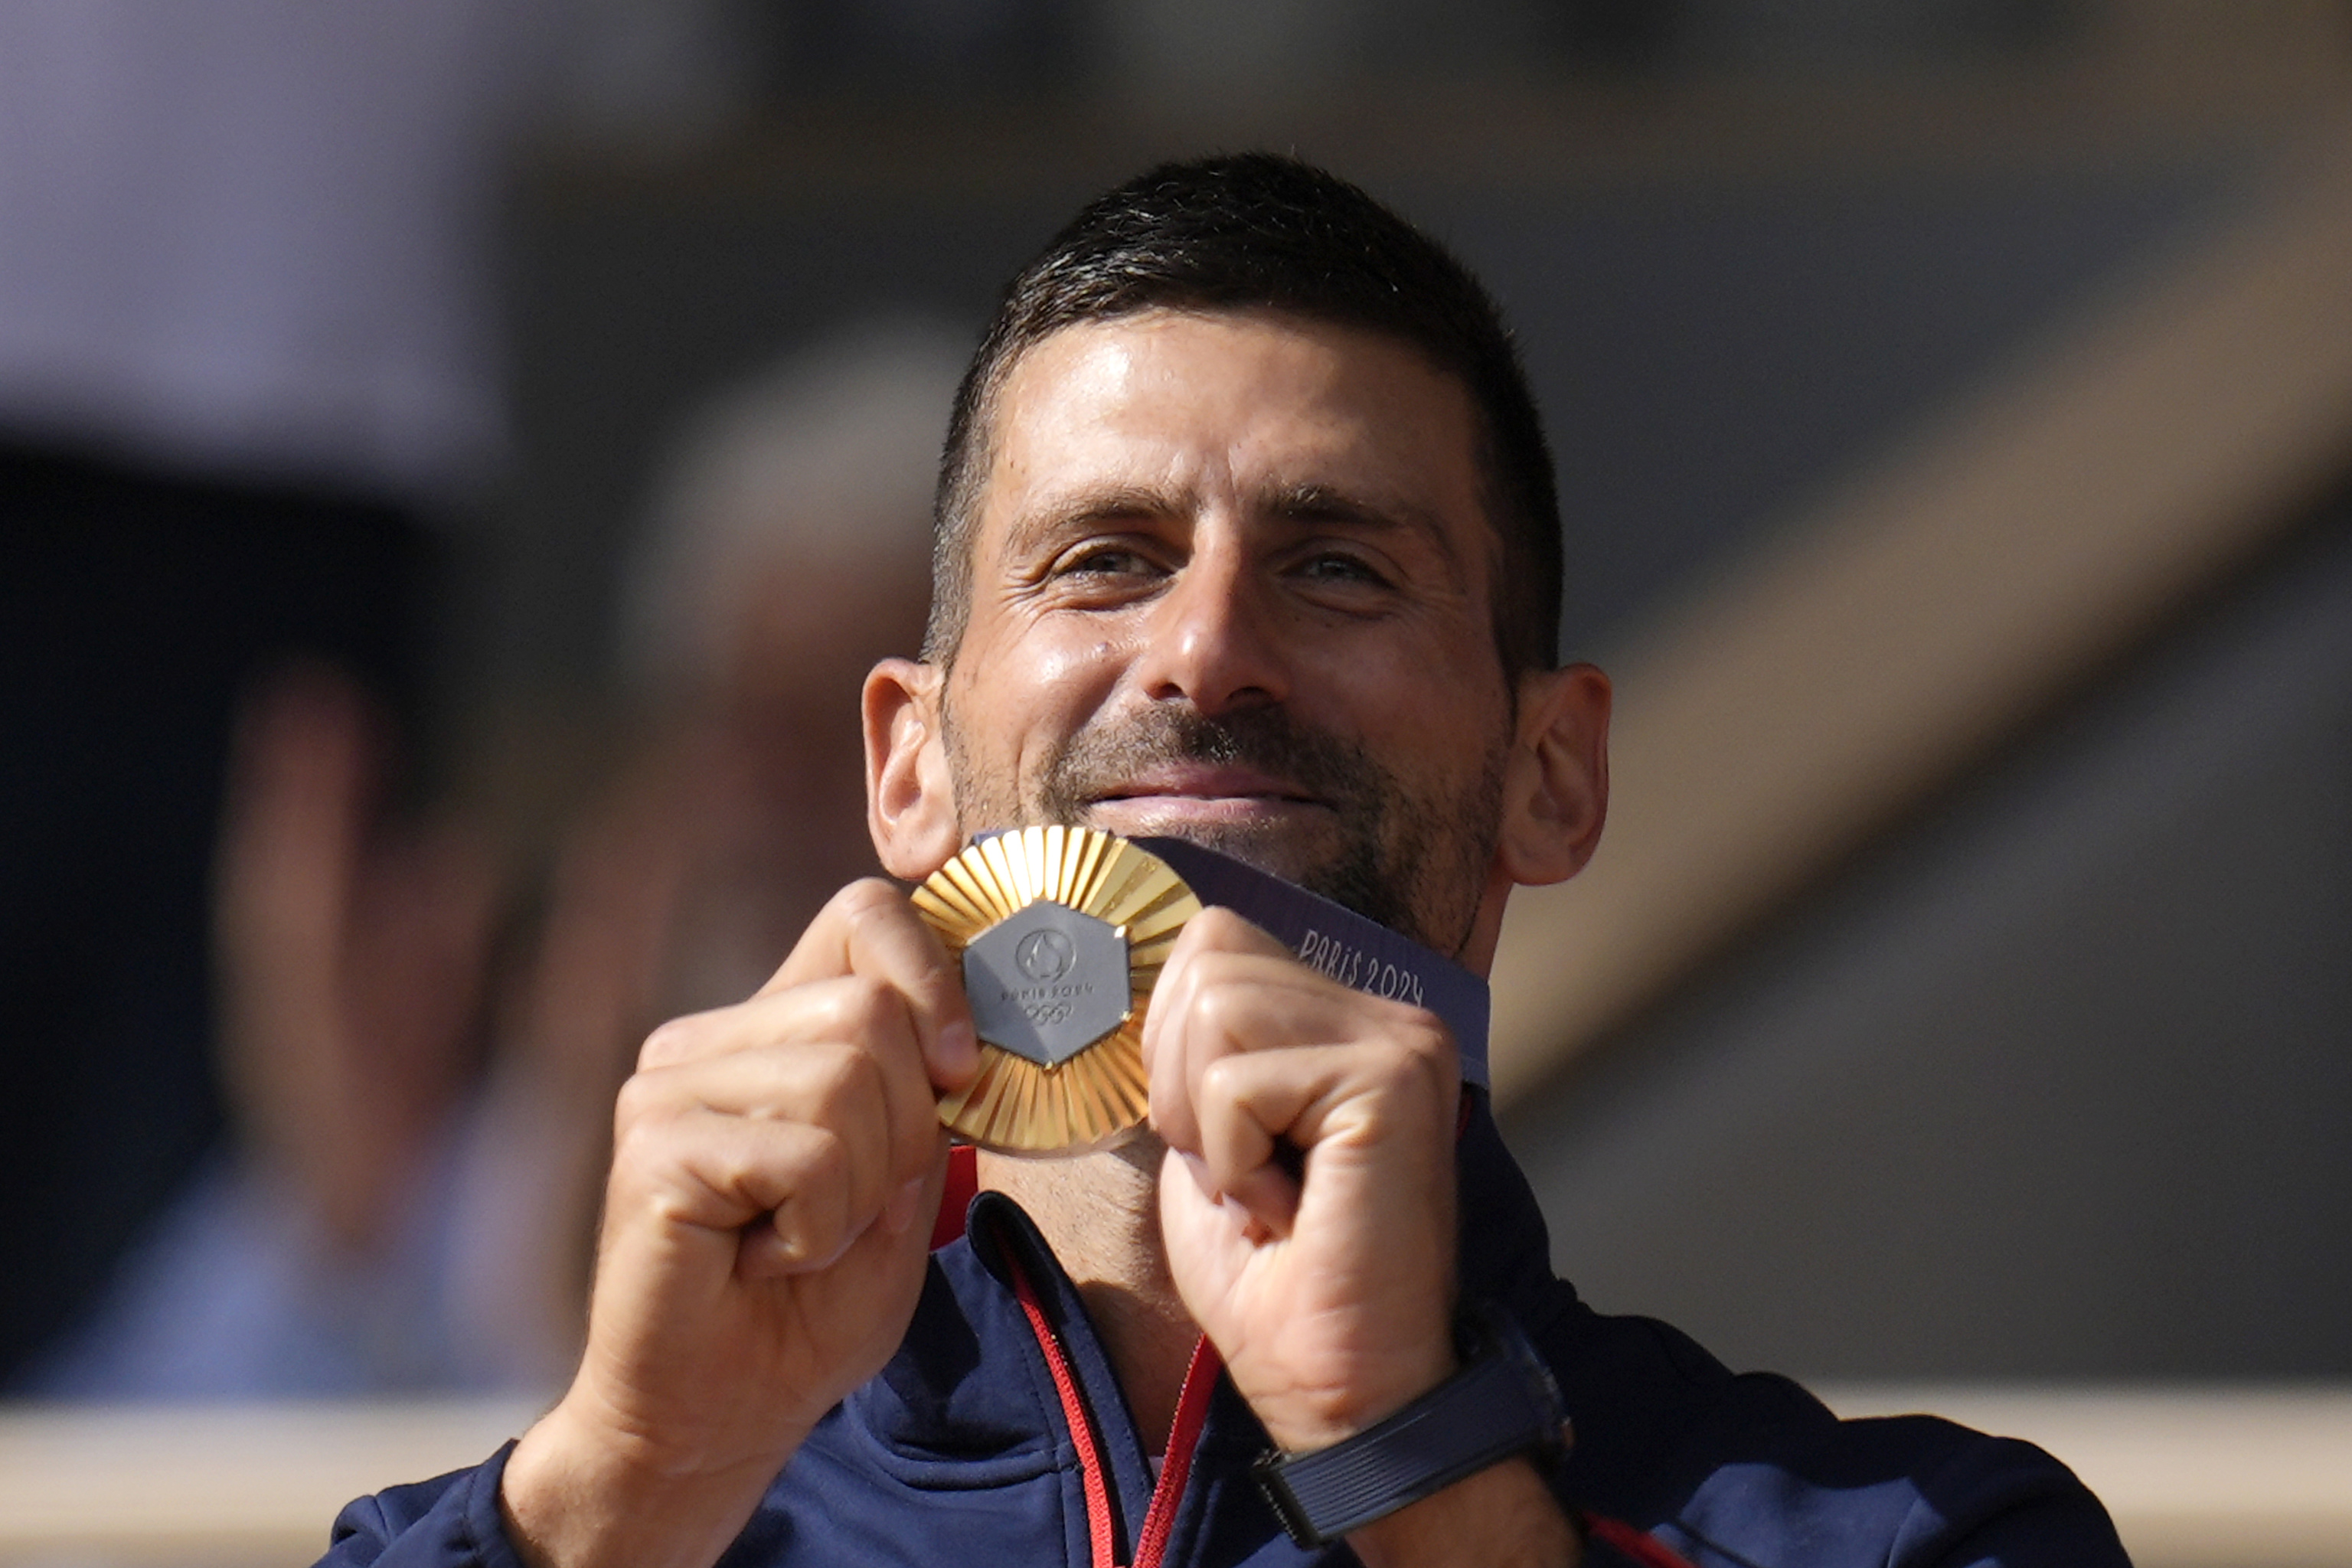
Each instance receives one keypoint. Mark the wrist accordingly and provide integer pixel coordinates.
(1503, 1403)
(580, 1492)
(1302, 1424)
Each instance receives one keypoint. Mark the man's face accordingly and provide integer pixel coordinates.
(1231, 582)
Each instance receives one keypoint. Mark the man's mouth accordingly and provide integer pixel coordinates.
(1176, 794)
(1253, 783)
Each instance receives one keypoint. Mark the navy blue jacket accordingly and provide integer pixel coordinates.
(959, 1450)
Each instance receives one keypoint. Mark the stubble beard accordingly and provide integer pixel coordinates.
(1415, 862)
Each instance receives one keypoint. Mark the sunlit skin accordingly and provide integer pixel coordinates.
(1248, 519)
(1231, 579)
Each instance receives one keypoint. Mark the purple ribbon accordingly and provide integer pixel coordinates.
(1338, 941)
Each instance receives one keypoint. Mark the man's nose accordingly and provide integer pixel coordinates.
(1213, 639)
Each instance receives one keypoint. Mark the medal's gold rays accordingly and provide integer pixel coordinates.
(1098, 1096)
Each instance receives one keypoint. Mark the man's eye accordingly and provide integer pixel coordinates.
(1333, 566)
(1105, 560)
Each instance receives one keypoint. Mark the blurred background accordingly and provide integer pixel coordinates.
(457, 458)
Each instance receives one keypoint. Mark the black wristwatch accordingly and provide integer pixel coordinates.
(1502, 1403)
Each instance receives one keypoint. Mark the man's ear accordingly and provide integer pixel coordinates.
(1556, 786)
(910, 807)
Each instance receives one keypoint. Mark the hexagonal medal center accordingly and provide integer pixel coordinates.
(1046, 982)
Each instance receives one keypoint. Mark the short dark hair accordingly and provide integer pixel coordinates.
(1255, 231)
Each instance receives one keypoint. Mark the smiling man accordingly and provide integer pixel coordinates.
(1246, 537)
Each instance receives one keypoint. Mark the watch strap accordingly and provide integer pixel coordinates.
(1503, 1402)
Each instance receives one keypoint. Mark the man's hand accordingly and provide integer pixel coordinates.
(1308, 1199)
(1308, 1208)
(775, 1166)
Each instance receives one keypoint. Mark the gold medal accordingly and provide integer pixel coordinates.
(1061, 932)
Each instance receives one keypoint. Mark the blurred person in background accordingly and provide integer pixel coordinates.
(787, 546)
(245, 374)
(250, 378)
(401, 1213)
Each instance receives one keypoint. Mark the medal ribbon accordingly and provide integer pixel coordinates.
(1336, 941)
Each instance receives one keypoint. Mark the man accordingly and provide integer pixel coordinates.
(1247, 536)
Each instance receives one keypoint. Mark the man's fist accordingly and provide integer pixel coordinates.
(760, 1254)
(1307, 1197)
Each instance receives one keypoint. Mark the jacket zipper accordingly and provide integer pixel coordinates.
(1176, 1468)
